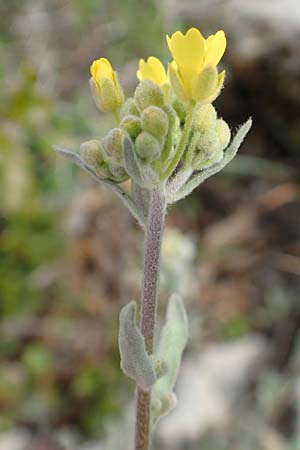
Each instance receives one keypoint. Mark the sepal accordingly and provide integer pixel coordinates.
(128, 108)
(156, 122)
(147, 147)
(148, 93)
(205, 84)
(113, 145)
(132, 125)
(223, 132)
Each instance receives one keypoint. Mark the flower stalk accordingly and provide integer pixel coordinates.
(152, 252)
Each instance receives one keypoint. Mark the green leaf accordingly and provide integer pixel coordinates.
(135, 361)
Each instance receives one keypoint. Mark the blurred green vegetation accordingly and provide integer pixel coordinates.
(35, 188)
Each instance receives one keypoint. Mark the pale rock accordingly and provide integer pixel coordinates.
(208, 387)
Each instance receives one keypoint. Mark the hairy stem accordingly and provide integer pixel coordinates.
(152, 251)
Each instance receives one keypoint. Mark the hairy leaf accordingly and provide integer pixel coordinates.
(172, 342)
(135, 361)
(124, 196)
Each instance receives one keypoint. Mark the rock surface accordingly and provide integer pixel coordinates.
(208, 387)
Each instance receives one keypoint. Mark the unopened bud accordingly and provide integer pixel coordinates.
(148, 93)
(223, 132)
(155, 121)
(132, 125)
(118, 173)
(92, 152)
(113, 144)
(129, 108)
(208, 150)
(105, 86)
(147, 147)
(205, 118)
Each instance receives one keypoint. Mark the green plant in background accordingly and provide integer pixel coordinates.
(167, 140)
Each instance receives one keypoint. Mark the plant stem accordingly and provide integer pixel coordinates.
(152, 251)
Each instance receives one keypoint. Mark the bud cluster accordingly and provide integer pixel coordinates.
(105, 156)
(154, 121)
(167, 135)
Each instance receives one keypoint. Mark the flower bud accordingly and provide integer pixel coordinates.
(113, 144)
(92, 153)
(208, 149)
(205, 118)
(155, 121)
(132, 125)
(105, 86)
(118, 173)
(129, 108)
(147, 147)
(148, 93)
(223, 132)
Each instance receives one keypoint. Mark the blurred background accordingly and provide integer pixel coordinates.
(70, 255)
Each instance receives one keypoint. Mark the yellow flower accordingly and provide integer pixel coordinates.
(105, 86)
(193, 73)
(153, 70)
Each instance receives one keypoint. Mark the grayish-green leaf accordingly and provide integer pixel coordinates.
(149, 176)
(178, 181)
(171, 344)
(141, 173)
(162, 406)
(135, 361)
(141, 198)
(199, 177)
(131, 161)
(124, 196)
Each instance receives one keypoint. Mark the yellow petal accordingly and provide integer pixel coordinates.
(100, 69)
(105, 86)
(187, 50)
(215, 48)
(152, 70)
